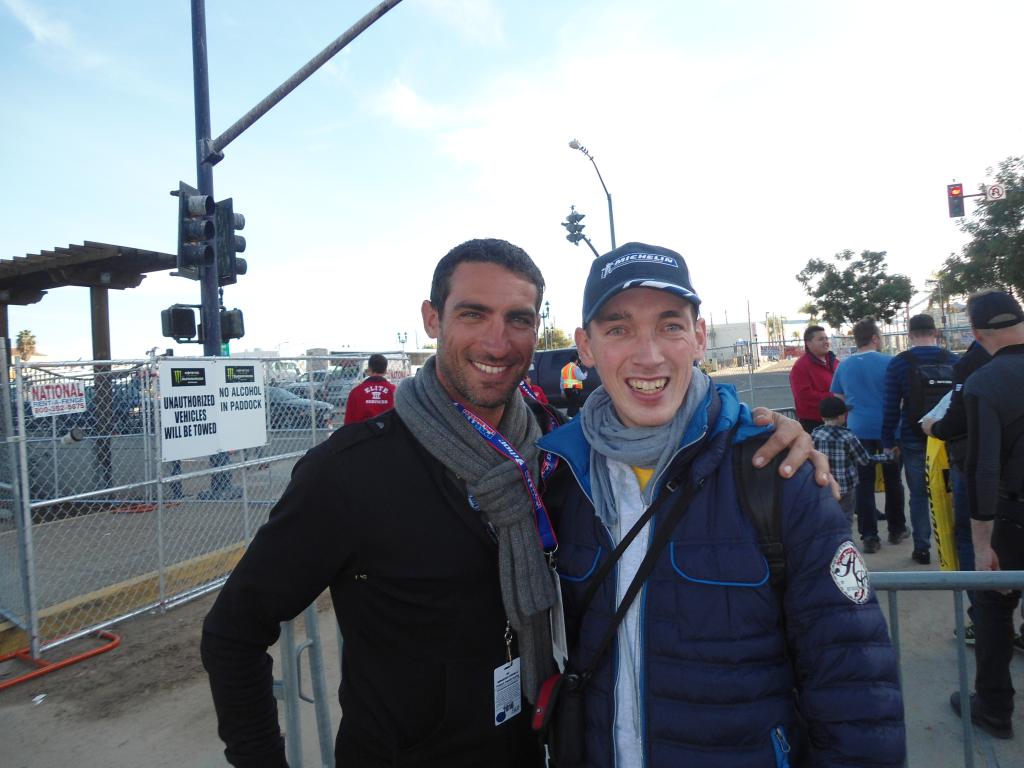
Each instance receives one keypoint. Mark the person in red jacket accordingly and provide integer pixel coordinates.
(373, 396)
(811, 377)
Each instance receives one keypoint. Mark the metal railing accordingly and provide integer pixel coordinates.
(958, 582)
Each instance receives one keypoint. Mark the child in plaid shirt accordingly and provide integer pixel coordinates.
(845, 453)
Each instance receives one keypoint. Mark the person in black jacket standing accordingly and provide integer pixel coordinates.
(427, 525)
(995, 493)
(952, 428)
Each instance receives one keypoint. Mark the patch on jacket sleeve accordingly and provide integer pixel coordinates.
(850, 573)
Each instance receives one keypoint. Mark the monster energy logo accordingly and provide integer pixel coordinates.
(239, 374)
(188, 377)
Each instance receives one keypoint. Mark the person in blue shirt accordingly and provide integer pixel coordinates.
(901, 434)
(860, 381)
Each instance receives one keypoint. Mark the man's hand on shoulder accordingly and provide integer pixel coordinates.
(789, 434)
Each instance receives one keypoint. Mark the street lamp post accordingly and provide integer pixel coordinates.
(402, 338)
(574, 144)
(544, 316)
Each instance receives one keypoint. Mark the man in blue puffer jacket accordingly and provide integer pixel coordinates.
(712, 665)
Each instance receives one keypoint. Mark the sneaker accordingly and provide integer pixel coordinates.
(969, 635)
(1018, 643)
(898, 536)
(922, 556)
(870, 546)
(999, 727)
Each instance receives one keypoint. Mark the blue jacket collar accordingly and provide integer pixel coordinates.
(571, 446)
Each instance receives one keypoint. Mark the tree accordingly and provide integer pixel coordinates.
(775, 327)
(556, 339)
(858, 287)
(26, 344)
(995, 255)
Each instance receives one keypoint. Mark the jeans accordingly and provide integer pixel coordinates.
(867, 519)
(993, 624)
(962, 528)
(917, 482)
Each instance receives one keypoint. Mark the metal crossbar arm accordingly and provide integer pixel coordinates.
(948, 580)
(214, 149)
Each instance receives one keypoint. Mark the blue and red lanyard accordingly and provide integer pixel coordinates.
(548, 463)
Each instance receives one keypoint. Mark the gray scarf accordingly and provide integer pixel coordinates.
(527, 583)
(637, 446)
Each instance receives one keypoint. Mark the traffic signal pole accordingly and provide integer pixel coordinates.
(209, 299)
(210, 151)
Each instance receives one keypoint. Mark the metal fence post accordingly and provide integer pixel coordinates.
(27, 552)
(318, 677)
(289, 689)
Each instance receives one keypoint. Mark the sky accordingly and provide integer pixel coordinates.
(749, 136)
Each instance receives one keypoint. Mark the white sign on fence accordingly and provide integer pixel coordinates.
(55, 398)
(209, 406)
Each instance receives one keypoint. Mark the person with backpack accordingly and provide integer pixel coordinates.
(915, 381)
(716, 615)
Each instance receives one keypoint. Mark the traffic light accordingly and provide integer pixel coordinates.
(227, 244)
(572, 223)
(195, 230)
(955, 198)
(231, 324)
(179, 323)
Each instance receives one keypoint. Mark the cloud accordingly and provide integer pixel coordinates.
(43, 28)
(407, 108)
(478, 20)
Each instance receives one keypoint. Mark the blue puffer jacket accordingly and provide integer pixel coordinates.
(717, 684)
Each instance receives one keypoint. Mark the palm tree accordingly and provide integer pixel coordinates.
(26, 345)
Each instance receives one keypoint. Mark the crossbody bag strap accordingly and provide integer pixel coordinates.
(671, 486)
(661, 538)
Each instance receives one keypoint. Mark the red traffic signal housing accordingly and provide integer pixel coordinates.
(955, 198)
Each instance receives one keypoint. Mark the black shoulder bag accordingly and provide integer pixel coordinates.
(558, 714)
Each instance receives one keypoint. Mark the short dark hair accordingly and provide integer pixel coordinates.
(485, 251)
(377, 363)
(811, 330)
(864, 330)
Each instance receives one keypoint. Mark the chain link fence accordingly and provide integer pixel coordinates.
(95, 527)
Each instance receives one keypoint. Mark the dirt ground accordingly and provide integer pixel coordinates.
(145, 703)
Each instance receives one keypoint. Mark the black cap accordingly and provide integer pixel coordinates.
(921, 323)
(996, 309)
(831, 407)
(636, 265)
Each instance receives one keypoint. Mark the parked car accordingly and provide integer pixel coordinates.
(286, 410)
(309, 384)
(546, 372)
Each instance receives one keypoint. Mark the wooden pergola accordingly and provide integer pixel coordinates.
(99, 267)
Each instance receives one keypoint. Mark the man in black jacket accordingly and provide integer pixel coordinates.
(952, 428)
(426, 523)
(995, 493)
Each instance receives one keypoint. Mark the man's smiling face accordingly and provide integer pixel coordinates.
(485, 335)
(644, 343)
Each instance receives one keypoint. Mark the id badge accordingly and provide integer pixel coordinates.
(559, 645)
(508, 695)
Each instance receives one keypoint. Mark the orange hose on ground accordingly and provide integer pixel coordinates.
(45, 667)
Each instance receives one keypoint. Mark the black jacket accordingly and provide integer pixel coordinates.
(995, 434)
(413, 573)
(952, 427)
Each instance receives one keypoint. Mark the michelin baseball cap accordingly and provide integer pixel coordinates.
(996, 309)
(636, 265)
(831, 407)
